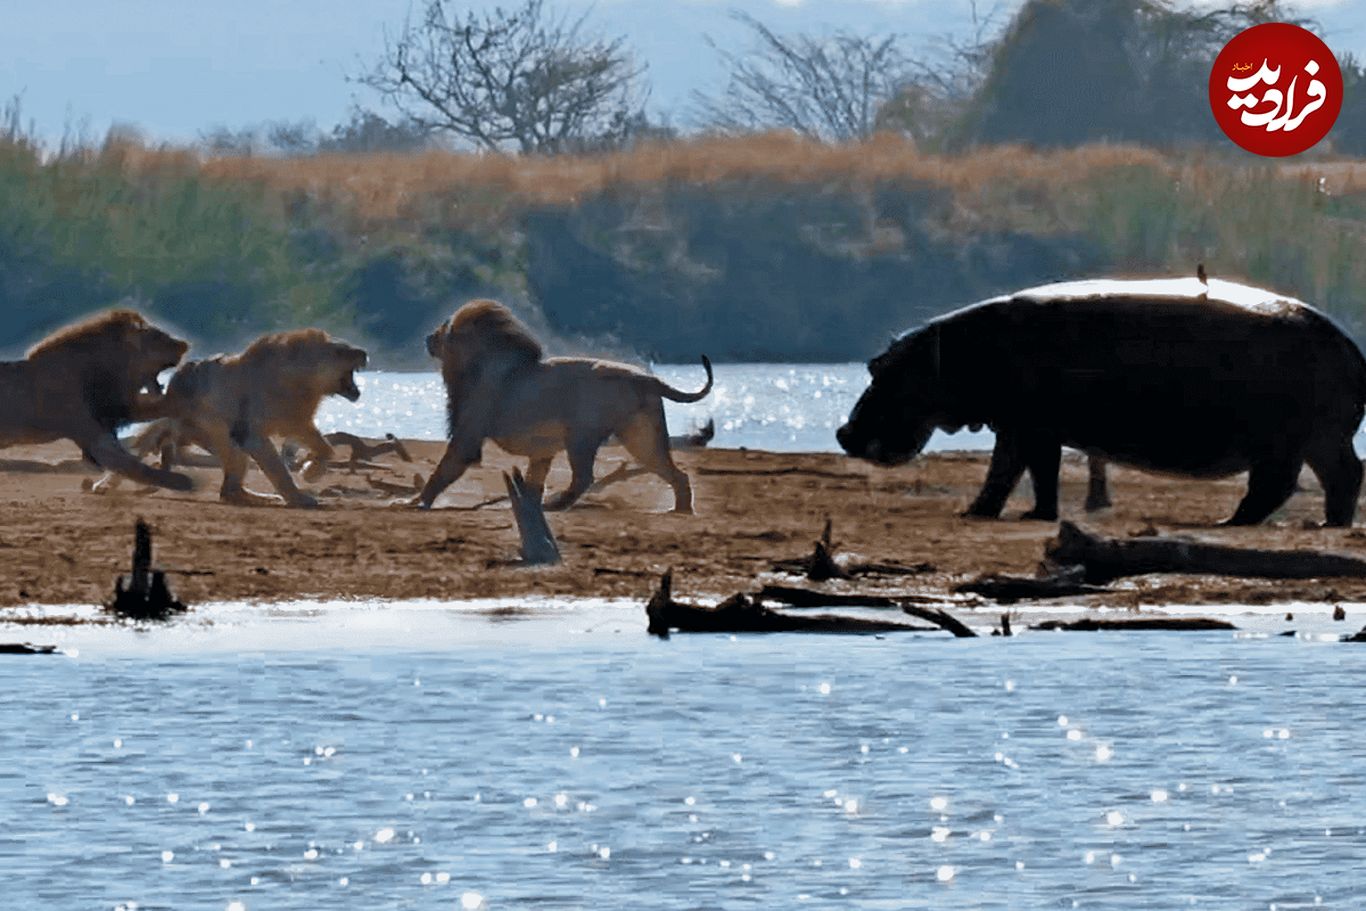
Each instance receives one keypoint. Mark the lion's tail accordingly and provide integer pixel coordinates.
(676, 395)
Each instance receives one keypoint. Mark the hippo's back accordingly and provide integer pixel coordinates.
(1173, 375)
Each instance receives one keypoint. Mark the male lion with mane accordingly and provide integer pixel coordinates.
(86, 380)
(500, 387)
(232, 405)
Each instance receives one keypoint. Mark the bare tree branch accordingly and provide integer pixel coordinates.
(827, 87)
(520, 79)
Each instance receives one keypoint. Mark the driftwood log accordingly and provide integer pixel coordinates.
(143, 594)
(1105, 559)
(1006, 589)
(1092, 624)
(24, 648)
(740, 614)
(821, 566)
(538, 541)
(806, 597)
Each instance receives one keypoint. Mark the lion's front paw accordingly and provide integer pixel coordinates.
(303, 500)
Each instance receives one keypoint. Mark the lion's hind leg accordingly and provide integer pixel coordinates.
(646, 438)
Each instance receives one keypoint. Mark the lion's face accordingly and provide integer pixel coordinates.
(345, 360)
(155, 352)
(436, 341)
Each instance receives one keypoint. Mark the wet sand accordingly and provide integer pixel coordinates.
(61, 545)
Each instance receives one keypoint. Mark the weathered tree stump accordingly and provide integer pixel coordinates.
(1105, 559)
(538, 541)
(143, 594)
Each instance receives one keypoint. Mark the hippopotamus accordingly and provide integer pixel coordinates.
(1191, 377)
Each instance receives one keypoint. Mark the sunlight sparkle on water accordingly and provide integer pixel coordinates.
(945, 873)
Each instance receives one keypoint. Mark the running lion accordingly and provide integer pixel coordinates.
(500, 387)
(86, 380)
(232, 405)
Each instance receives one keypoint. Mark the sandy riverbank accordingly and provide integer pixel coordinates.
(62, 545)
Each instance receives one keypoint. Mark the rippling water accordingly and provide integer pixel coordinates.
(352, 757)
(777, 407)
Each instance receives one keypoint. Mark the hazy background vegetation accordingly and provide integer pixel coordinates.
(836, 188)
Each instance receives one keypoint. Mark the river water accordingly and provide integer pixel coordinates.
(436, 756)
(777, 407)
(552, 755)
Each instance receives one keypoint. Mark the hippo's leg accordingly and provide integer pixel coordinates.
(1044, 460)
(1339, 473)
(1097, 490)
(1007, 464)
(1269, 485)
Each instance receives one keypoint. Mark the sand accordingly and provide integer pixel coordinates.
(61, 545)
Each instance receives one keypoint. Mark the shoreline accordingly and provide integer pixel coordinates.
(64, 546)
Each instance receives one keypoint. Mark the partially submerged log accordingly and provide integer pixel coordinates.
(1092, 624)
(806, 597)
(1105, 559)
(143, 594)
(538, 541)
(740, 614)
(24, 648)
(1006, 589)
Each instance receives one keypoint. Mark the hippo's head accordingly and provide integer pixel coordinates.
(896, 414)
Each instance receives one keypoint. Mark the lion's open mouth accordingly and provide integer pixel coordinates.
(348, 389)
(152, 383)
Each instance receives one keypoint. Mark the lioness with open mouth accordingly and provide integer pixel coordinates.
(232, 405)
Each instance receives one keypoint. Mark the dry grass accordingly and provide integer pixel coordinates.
(388, 186)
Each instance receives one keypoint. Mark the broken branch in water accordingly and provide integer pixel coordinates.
(143, 594)
(1105, 559)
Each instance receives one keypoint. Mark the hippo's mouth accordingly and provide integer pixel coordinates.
(885, 452)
